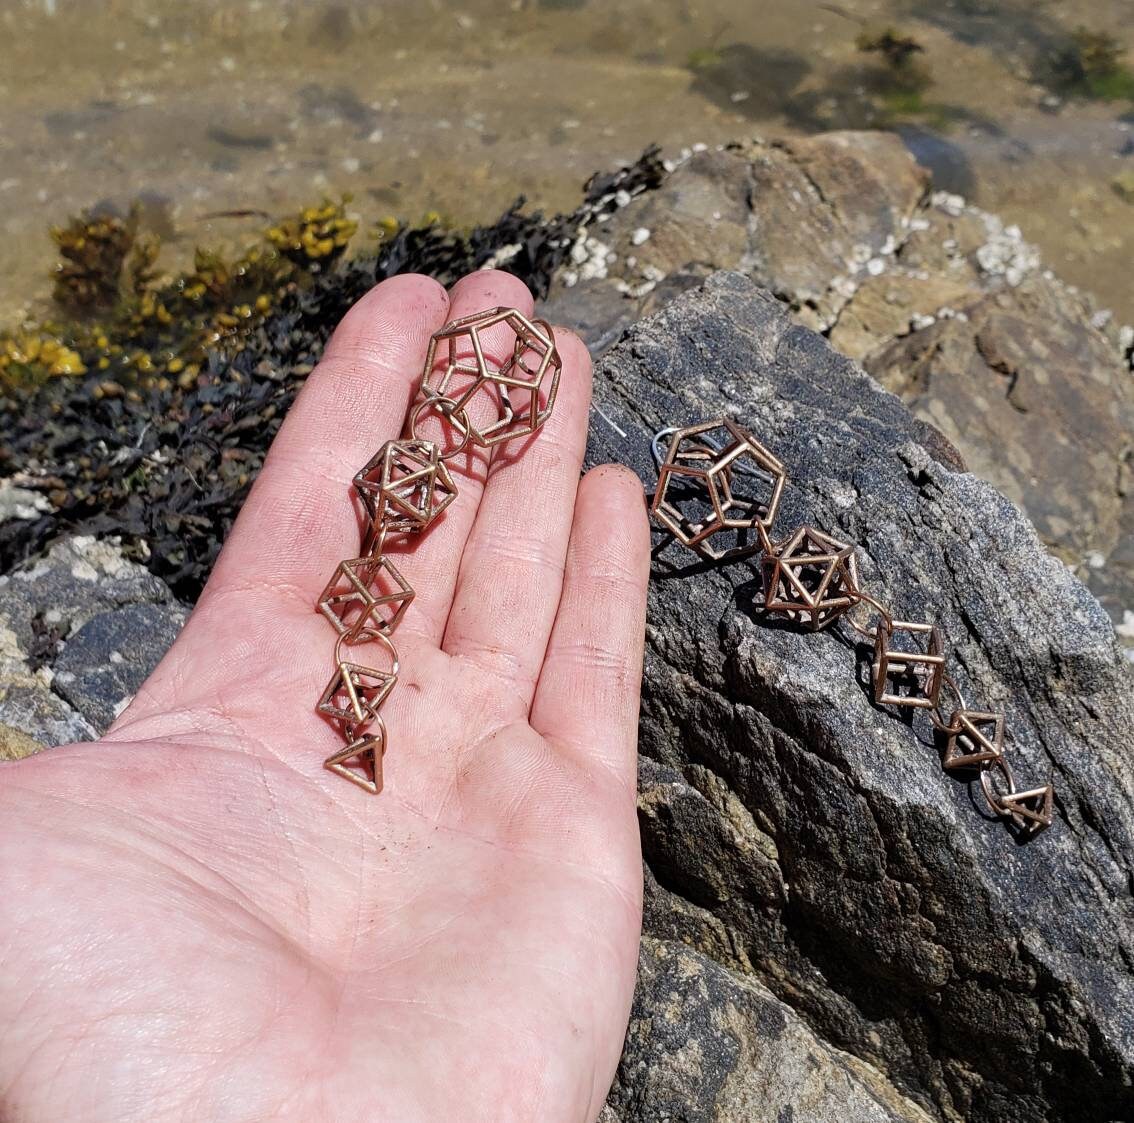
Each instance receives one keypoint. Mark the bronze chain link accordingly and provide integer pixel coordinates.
(404, 489)
(717, 481)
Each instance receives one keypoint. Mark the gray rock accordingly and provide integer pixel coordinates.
(804, 218)
(801, 837)
(102, 665)
(28, 703)
(941, 301)
(15, 744)
(1036, 400)
(76, 579)
(80, 629)
(708, 1044)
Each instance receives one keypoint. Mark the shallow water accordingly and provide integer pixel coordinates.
(418, 106)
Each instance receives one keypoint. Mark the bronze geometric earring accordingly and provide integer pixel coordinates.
(718, 493)
(717, 483)
(404, 488)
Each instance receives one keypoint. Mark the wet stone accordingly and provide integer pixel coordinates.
(108, 658)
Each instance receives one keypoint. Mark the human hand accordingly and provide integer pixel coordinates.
(199, 922)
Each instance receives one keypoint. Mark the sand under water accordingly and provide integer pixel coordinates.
(216, 114)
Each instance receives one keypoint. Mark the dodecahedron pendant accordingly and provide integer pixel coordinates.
(517, 393)
(812, 578)
(405, 486)
(366, 596)
(908, 664)
(718, 482)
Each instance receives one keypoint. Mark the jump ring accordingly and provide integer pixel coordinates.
(452, 413)
(374, 542)
(367, 636)
(952, 685)
(991, 796)
(866, 598)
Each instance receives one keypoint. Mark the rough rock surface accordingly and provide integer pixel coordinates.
(1032, 395)
(102, 665)
(834, 930)
(80, 629)
(801, 838)
(941, 301)
(708, 1044)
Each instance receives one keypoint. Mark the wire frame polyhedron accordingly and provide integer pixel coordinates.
(1031, 811)
(908, 677)
(360, 761)
(716, 477)
(353, 696)
(972, 737)
(812, 578)
(405, 485)
(520, 389)
(365, 596)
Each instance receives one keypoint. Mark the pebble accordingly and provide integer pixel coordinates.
(952, 205)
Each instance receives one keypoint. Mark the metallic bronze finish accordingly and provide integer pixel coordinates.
(1031, 811)
(812, 578)
(366, 753)
(973, 738)
(522, 388)
(919, 671)
(353, 696)
(717, 478)
(404, 488)
(366, 595)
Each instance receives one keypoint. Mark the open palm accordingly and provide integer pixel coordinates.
(199, 922)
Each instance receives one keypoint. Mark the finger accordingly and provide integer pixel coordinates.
(430, 563)
(300, 520)
(511, 574)
(586, 701)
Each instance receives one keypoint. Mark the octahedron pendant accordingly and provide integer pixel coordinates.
(1032, 809)
(360, 762)
(365, 596)
(717, 482)
(909, 676)
(812, 578)
(521, 388)
(353, 696)
(973, 738)
(405, 486)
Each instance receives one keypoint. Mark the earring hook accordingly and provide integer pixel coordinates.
(741, 469)
(655, 444)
